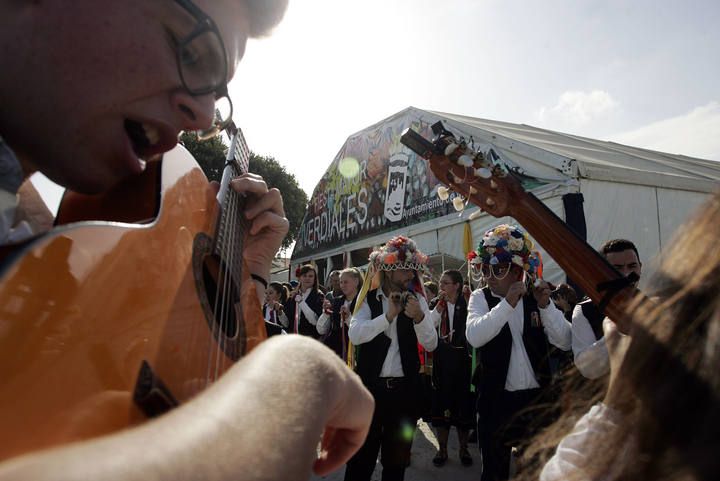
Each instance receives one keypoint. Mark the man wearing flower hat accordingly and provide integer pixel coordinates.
(387, 326)
(510, 321)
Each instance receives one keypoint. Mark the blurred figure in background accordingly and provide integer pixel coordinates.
(452, 402)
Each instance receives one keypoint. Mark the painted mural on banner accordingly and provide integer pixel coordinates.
(374, 185)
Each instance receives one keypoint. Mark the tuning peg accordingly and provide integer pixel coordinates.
(493, 184)
(473, 190)
(459, 203)
(483, 173)
(490, 202)
(443, 193)
(465, 161)
(451, 147)
(475, 214)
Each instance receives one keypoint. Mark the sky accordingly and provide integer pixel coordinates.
(644, 73)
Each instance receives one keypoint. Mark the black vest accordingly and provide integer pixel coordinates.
(315, 301)
(594, 317)
(333, 338)
(495, 355)
(371, 355)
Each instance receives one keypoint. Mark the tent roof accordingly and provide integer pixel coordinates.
(602, 160)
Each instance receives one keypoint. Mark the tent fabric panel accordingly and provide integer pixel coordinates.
(450, 240)
(675, 207)
(427, 242)
(622, 211)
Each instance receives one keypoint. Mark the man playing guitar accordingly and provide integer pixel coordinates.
(92, 90)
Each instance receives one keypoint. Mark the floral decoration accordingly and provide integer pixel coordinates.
(400, 252)
(506, 244)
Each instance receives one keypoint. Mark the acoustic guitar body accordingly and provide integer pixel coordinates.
(85, 307)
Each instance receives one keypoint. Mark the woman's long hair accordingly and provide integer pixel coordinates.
(670, 373)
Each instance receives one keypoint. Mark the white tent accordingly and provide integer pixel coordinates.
(616, 190)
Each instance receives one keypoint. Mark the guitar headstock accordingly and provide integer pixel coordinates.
(478, 176)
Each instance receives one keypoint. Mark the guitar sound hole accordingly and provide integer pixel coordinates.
(222, 295)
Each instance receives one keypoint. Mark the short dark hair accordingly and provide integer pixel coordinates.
(618, 245)
(454, 275)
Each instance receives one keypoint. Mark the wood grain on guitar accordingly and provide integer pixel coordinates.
(86, 306)
(481, 178)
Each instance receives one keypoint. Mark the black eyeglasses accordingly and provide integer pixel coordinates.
(203, 66)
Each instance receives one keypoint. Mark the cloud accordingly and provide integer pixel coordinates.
(696, 133)
(576, 109)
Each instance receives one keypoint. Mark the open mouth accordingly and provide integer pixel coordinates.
(144, 137)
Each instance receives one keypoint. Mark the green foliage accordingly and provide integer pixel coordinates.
(294, 198)
(210, 155)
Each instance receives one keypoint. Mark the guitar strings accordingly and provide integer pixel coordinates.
(233, 247)
(226, 291)
(215, 333)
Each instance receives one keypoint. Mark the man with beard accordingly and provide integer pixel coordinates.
(390, 322)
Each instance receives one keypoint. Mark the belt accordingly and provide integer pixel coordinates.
(390, 383)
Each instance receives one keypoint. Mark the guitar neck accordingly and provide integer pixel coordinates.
(583, 264)
(499, 192)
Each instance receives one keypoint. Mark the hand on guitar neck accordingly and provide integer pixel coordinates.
(484, 180)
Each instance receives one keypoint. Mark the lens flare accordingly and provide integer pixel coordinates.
(349, 167)
(407, 431)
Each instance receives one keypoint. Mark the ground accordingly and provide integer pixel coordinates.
(421, 466)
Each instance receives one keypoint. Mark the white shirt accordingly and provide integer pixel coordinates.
(591, 355)
(364, 328)
(281, 318)
(577, 449)
(323, 322)
(484, 324)
(436, 316)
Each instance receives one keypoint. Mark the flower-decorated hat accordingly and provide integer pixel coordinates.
(399, 253)
(505, 244)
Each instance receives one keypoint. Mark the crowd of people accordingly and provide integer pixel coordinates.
(498, 352)
(497, 356)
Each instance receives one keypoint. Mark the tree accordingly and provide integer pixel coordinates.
(294, 198)
(210, 155)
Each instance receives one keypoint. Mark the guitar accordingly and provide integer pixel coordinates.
(484, 180)
(105, 324)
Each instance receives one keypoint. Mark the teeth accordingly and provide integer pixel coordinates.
(142, 163)
(152, 134)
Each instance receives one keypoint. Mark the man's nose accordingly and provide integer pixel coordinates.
(194, 112)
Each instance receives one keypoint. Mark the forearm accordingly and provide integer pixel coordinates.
(323, 324)
(283, 318)
(363, 328)
(426, 333)
(557, 328)
(310, 315)
(593, 361)
(483, 325)
(224, 433)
